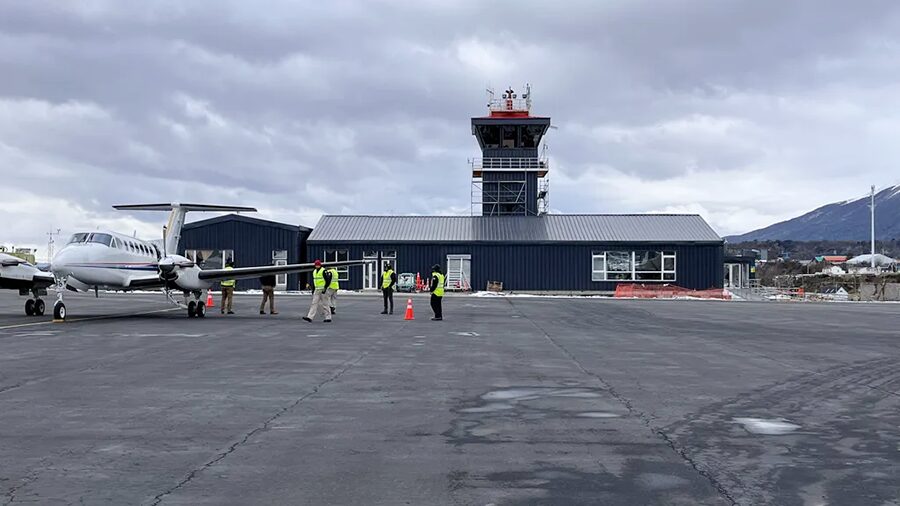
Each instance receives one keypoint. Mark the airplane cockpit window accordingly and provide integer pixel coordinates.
(78, 238)
(104, 239)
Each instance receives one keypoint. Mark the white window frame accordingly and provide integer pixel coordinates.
(665, 275)
(343, 272)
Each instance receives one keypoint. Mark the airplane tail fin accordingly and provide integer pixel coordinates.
(176, 217)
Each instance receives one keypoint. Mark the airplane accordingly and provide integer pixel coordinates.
(112, 261)
(18, 274)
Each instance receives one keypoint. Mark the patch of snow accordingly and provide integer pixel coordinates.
(769, 427)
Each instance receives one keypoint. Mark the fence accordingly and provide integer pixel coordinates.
(642, 291)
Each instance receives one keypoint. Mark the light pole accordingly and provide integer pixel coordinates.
(872, 209)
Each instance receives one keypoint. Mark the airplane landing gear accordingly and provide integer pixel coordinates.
(34, 306)
(59, 309)
(195, 307)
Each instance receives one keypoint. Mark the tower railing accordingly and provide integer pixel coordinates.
(510, 164)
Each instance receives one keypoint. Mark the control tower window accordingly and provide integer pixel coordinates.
(490, 136)
(510, 137)
(531, 136)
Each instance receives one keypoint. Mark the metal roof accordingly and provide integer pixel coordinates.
(245, 219)
(554, 228)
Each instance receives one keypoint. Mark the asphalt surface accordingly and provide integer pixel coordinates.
(508, 401)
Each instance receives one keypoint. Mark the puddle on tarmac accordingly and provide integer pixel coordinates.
(769, 427)
(487, 408)
(529, 394)
(597, 414)
(466, 334)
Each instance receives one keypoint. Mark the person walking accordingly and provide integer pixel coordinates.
(333, 287)
(321, 280)
(228, 290)
(268, 290)
(388, 283)
(437, 292)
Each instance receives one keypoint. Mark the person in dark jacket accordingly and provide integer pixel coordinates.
(437, 292)
(268, 290)
(388, 284)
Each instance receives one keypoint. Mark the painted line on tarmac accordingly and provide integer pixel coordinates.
(89, 318)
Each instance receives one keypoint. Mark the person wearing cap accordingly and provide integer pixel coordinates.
(437, 292)
(320, 304)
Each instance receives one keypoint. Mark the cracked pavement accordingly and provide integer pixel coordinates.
(508, 401)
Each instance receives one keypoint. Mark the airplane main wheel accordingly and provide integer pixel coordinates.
(201, 310)
(192, 309)
(39, 307)
(29, 307)
(59, 311)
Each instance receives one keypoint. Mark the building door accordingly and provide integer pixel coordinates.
(280, 257)
(371, 271)
(388, 258)
(459, 272)
(735, 276)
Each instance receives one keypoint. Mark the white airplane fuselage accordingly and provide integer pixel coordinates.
(108, 260)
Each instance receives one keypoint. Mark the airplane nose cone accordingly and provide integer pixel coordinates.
(61, 263)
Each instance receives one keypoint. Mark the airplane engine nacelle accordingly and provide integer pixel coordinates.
(189, 279)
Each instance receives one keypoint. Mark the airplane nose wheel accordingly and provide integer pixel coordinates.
(59, 311)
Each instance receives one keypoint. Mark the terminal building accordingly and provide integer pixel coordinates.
(510, 235)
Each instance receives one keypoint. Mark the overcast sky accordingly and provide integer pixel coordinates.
(747, 112)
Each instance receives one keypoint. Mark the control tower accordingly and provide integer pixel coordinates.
(510, 178)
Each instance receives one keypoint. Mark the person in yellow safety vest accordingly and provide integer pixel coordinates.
(388, 283)
(332, 289)
(228, 290)
(321, 282)
(437, 292)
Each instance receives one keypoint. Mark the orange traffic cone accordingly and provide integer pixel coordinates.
(409, 310)
(209, 299)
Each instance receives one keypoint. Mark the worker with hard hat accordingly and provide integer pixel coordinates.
(321, 282)
(437, 292)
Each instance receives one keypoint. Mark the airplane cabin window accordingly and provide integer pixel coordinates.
(104, 239)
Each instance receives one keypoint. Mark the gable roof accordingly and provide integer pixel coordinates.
(554, 228)
(245, 219)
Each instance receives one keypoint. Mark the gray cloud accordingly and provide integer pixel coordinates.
(748, 112)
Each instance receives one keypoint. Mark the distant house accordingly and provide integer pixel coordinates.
(835, 293)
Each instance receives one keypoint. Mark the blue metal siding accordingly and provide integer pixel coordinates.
(252, 244)
(539, 267)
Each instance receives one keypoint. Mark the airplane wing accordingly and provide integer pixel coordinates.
(255, 272)
(17, 274)
(42, 279)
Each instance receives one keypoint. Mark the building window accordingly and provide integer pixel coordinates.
(339, 255)
(633, 266)
(210, 258)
